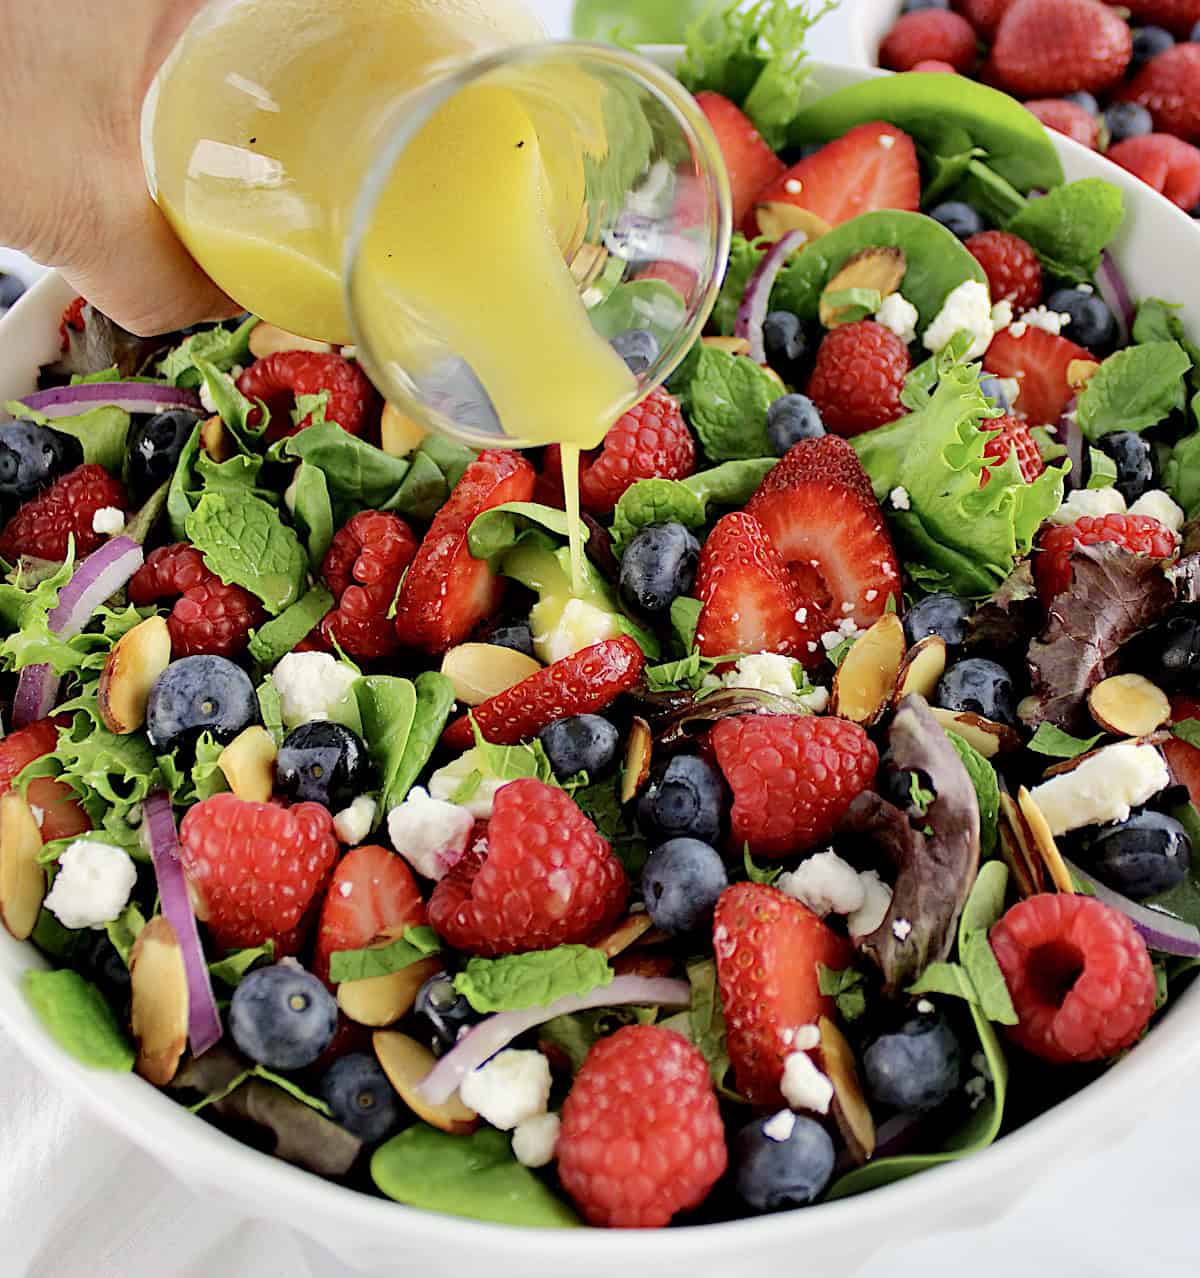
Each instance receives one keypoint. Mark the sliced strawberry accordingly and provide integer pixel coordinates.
(586, 683)
(54, 803)
(447, 592)
(751, 602)
(1039, 361)
(819, 511)
(372, 892)
(874, 166)
(750, 161)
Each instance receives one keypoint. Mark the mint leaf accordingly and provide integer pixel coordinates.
(987, 793)
(685, 617)
(274, 640)
(537, 979)
(756, 875)
(246, 544)
(1058, 744)
(847, 987)
(729, 397)
(77, 1016)
(416, 944)
(1071, 225)
(1181, 475)
(601, 802)
(652, 305)
(1158, 321)
(220, 347)
(1134, 389)
(233, 967)
(1188, 730)
(745, 257)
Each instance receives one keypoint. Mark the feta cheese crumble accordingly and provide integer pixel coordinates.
(429, 833)
(766, 672)
(1105, 787)
(804, 1086)
(1089, 501)
(578, 626)
(93, 884)
(108, 521)
(899, 315)
(901, 929)
(1158, 505)
(967, 308)
(508, 1090)
(448, 780)
(826, 884)
(353, 823)
(887, 141)
(1002, 315)
(1048, 321)
(535, 1140)
(779, 1127)
(900, 499)
(311, 685)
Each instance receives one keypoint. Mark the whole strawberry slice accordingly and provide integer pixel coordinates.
(642, 1136)
(53, 802)
(1048, 48)
(819, 511)
(929, 35)
(547, 877)
(1013, 436)
(873, 166)
(372, 892)
(447, 592)
(751, 601)
(1168, 86)
(585, 683)
(363, 567)
(858, 376)
(750, 161)
(769, 949)
(792, 778)
(1168, 164)
(43, 526)
(256, 868)
(1039, 362)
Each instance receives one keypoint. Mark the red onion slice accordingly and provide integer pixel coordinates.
(133, 397)
(37, 691)
(1115, 292)
(757, 299)
(1162, 932)
(496, 1032)
(1071, 436)
(204, 1021)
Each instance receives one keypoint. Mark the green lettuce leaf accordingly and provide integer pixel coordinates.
(77, 1016)
(538, 979)
(220, 347)
(1134, 389)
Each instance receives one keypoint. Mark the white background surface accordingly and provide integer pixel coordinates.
(79, 1202)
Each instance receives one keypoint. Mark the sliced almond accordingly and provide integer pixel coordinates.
(1042, 842)
(248, 763)
(480, 671)
(159, 994)
(638, 749)
(379, 1001)
(866, 680)
(22, 879)
(399, 435)
(1080, 372)
(1069, 765)
(730, 345)
(588, 263)
(1020, 845)
(988, 737)
(850, 1108)
(407, 1064)
(216, 440)
(1013, 857)
(638, 963)
(266, 339)
(130, 671)
(624, 934)
(776, 219)
(877, 269)
(923, 667)
(773, 376)
(1129, 705)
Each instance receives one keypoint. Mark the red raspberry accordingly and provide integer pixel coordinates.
(168, 571)
(45, 523)
(1046, 48)
(72, 321)
(1168, 86)
(1014, 436)
(1013, 270)
(651, 441)
(545, 878)
(983, 15)
(1137, 533)
(1169, 165)
(792, 778)
(280, 379)
(929, 35)
(858, 377)
(642, 1136)
(1068, 118)
(1079, 974)
(256, 868)
(363, 569)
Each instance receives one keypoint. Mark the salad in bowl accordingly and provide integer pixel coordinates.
(841, 821)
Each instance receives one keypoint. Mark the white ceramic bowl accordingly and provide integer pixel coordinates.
(832, 1240)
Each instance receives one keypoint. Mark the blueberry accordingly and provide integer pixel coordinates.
(1194, 37)
(1092, 324)
(980, 687)
(638, 347)
(199, 694)
(912, 6)
(917, 1068)
(941, 614)
(1127, 120)
(658, 566)
(1134, 459)
(322, 762)
(1178, 654)
(781, 1162)
(996, 391)
(580, 743)
(787, 345)
(445, 1009)
(790, 419)
(11, 290)
(155, 445)
(282, 1016)
(517, 635)
(686, 798)
(1147, 854)
(362, 1100)
(681, 883)
(32, 456)
(964, 220)
(1081, 97)
(1148, 42)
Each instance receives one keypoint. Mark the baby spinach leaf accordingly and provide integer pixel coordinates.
(987, 793)
(537, 979)
(274, 640)
(707, 1018)
(179, 494)
(499, 529)
(356, 472)
(246, 543)
(601, 802)
(847, 987)
(416, 944)
(271, 707)
(1058, 744)
(574, 1034)
(983, 909)
(1070, 226)
(729, 397)
(388, 708)
(945, 978)
(685, 617)
(1188, 730)
(435, 700)
(1134, 389)
(423, 492)
(77, 1016)
(313, 512)
(1181, 475)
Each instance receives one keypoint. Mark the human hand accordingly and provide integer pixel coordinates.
(75, 196)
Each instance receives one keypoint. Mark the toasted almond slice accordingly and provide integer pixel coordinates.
(988, 737)
(216, 440)
(1042, 841)
(480, 671)
(407, 1064)
(638, 749)
(922, 668)
(1080, 372)
(1012, 820)
(850, 1108)
(399, 435)
(625, 934)
(866, 680)
(248, 763)
(130, 671)
(588, 263)
(22, 879)
(730, 345)
(1129, 705)
(379, 1001)
(878, 269)
(776, 219)
(159, 994)
(1012, 856)
(266, 339)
